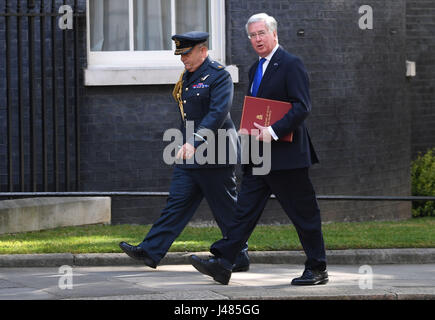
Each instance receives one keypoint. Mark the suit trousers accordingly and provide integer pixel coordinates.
(294, 191)
(188, 188)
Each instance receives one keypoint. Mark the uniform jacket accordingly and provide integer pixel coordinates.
(286, 79)
(207, 96)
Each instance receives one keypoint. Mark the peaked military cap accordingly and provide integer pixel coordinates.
(185, 42)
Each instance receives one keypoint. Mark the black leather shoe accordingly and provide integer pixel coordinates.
(137, 253)
(311, 277)
(242, 262)
(211, 267)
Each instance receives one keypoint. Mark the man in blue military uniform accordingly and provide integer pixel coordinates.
(204, 95)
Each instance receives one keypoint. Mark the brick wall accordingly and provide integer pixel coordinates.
(360, 121)
(122, 146)
(360, 125)
(420, 47)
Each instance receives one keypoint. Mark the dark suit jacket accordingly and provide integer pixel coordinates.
(286, 79)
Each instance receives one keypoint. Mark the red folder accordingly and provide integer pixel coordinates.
(265, 112)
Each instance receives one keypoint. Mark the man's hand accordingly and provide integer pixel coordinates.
(186, 151)
(264, 134)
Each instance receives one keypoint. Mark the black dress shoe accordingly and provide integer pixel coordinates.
(311, 277)
(242, 262)
(211, 267)
(137, 253)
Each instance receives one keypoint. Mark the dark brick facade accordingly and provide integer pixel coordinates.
(360, 120)
(363, 124)
(420, 47)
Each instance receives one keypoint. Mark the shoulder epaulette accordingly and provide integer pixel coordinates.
(216, 65)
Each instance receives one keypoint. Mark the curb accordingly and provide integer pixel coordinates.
(334, 257)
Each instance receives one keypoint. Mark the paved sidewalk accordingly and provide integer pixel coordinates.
(183, 282)
(386, 274)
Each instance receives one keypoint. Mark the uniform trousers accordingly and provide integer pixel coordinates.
(188, 188)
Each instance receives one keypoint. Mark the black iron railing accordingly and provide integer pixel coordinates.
(165, 194)
(41, 107)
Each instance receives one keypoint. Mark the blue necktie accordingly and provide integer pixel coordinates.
(257, 77)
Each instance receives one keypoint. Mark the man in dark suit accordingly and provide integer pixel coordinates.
(204, 96)
(277, 75)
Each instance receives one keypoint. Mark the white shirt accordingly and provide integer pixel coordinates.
(268, 58)
(265, 64)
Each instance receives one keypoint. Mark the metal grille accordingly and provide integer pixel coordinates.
(40, 97)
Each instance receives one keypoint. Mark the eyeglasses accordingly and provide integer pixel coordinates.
(261, 34)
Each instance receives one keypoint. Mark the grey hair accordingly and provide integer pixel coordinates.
(203, 45)
(269, 21)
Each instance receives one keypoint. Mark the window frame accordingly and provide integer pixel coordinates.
(149, 67)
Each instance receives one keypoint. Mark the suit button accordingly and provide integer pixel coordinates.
(187, 89)
(184, 101)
